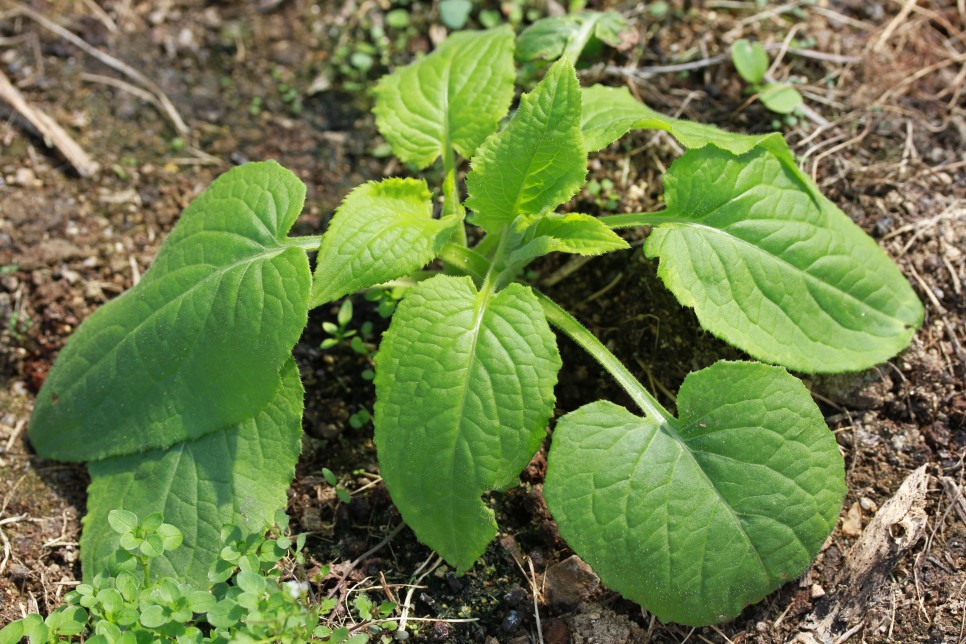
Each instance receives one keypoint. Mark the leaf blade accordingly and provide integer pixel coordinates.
(381, 231)
(774, 268)
(238, 475)
(537, 162)
(447, 98)
(609, 113)
(698, 518)
(464, 385)
(142, 361)
(577, 233)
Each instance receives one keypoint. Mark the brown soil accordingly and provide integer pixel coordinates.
(892, 155)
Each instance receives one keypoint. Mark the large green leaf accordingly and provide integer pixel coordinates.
(609, 113)
(771, 266)
(197, 345)
(380, 232)
(464, 390)
(696, 518)
(455, 97)
(538, 161)
(237, 475)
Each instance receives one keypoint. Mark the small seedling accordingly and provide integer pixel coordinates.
(244, 599)
(751, 61)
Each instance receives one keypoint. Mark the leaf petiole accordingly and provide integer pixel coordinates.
(310, 242)
(577, 332)
(467, 260)
(638, 219)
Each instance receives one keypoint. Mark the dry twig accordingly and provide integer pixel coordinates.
(167, 107)
(53, 134)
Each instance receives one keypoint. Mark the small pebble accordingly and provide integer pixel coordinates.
(816, 591)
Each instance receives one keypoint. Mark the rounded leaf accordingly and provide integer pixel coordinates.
(698, 517)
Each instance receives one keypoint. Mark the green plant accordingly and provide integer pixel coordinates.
(245, 597)
(694, 515)
(751, 61)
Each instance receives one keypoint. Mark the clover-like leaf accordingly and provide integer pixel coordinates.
(537, 162)
(700, 516)
(238, 475)
(381, 231)
(609, 113)
(774, 268)
(537, 235)
(455, 97)
(781, 98)
(197, 345)
(464, 385)
(750, 59)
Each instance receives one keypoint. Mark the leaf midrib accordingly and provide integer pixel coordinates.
(218, 273)
(685, 224)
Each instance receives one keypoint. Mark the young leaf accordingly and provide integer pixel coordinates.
(781, 98)
(455, 97)
(549, 38)
(380, 232)
(609, 113)
(464, 390)
(538, 161)
(238, 476)
(696, 518)
(225, 293)
(774, 268)
(750, 59)
(536, 235)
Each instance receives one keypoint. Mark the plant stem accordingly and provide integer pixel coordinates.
(580, 40)
(451, 192)
(487, 245)
(577, 332)
(310, 242)
(468, 261)
(638, 219)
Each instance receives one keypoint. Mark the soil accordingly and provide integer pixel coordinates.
(273, 79)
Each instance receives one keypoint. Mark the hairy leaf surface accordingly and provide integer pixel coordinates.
(537, 162)
(609, 113)
(699, 517)
(773, 267)
(464, 385)
(237, 475)
(197, 345)
(381, 231)
(538, 235)
(455, 97)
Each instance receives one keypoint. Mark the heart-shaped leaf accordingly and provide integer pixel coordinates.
(774, 268)
(464, 390)
(197, 345)
(700, 516)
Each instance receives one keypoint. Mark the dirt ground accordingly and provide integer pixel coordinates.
(284, 79)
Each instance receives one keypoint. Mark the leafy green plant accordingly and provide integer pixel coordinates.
(694, 514)
(245, 597)
(751, 61)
